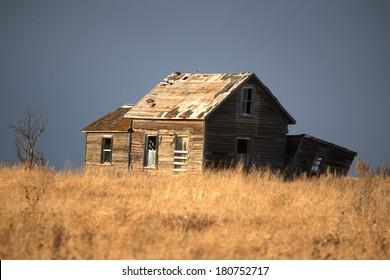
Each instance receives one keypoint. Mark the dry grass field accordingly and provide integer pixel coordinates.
(216, 215)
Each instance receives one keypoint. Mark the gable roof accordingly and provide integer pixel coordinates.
(191, 96)
(113, 121)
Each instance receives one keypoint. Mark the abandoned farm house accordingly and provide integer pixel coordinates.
(193, 121)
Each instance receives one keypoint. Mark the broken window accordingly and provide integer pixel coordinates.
(106, 155)
(150, 151)
(242, 151)
(318, 161)
(316, 164)
(180, 157)
(247, 100)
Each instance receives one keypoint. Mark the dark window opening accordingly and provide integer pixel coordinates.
(242, 146)
(242, 151)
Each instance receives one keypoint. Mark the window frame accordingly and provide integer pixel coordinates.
(319, 160)
(146, 151)
(104, 149)
(248, 141)
(316, 164)
(180, 157)
(244, 101)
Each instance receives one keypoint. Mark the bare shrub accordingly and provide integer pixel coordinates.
(28, 131)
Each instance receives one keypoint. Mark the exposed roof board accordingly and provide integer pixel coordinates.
(113, 121)
(191, 96)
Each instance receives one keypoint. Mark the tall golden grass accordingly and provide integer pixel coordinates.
(215, 215)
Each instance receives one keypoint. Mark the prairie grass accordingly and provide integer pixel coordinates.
(226, 214)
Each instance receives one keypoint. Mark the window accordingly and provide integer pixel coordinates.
(247, 100)
(180, 154)
(242, 150)
(150, 151)
(106, 156)
(319, 160)
(242, 146)
(316, 164)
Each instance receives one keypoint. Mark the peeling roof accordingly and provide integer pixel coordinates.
(187, 96)
(113, 121)
(192, 96)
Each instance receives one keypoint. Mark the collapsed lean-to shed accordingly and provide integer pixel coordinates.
(312, 155)
(192, 121)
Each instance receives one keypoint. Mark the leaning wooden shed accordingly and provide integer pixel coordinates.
(313, 156)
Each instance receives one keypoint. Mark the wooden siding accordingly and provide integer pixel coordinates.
(301, 155)
(302, 152)
(166, 132)
(339, 161)
(266, 129)
(120, 148)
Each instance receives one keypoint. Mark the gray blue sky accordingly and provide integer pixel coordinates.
(328, 62)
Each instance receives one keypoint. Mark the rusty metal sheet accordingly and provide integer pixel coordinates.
(113, 121)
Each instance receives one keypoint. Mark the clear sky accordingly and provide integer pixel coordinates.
(328, 62)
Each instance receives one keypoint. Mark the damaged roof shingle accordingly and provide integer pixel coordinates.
(187, 96)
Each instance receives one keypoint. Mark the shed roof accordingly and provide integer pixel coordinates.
(191, 96)
(113, 121)
(300, 137)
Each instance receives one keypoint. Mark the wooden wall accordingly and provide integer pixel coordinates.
(93, 149)
(167, 130)
(339, 161)
(210, 141)
(267, 130)
(302, 152)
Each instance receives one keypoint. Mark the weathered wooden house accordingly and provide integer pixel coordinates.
(193, 121)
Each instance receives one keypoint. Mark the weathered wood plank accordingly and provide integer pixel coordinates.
(266, 129)
(167, 130)
(120, 146)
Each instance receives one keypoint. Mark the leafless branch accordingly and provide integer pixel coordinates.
(28, 131)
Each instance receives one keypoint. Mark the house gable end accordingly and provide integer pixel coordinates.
(262, 127)
(253, 81)
(290, 119)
